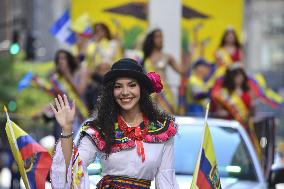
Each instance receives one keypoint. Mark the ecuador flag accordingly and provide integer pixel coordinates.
(259, 87)
(206, 174)
(33, 160)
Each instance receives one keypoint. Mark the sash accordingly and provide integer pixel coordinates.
(224, 56)
(65, 87)
(238, 110)
(122, 182)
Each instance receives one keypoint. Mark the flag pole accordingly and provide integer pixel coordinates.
(205, 121)
(207, 111)
(10, 128)
(14, 139)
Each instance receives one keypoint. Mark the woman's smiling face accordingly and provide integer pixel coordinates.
(127, 93)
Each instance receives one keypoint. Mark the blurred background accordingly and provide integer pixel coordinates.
(55, 47)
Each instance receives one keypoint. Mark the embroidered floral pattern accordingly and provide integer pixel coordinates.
(162, 132)
(77, 169)
(157, 133)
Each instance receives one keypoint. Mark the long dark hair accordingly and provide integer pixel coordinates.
(107, 111)
(149, 44)
(72, 63)
(236, 43)
(229, 80)
(105, 28)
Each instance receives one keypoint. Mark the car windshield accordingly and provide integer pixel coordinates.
(231, 152)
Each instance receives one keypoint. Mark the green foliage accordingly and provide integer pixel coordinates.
(130, 37)
(31, 101)
(7, 79)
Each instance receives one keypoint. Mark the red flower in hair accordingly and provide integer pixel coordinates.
(156, 81)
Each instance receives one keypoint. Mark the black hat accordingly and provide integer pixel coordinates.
(127, 67)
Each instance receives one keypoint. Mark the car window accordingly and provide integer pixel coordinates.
(231, 152)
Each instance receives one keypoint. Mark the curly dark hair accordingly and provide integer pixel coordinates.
(72, 63)
(149, 44)
(107, 111)
(223, 41)
(229, 78)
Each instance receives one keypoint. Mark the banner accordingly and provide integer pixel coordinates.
(209, 19)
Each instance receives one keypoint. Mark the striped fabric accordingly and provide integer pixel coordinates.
(121, 182)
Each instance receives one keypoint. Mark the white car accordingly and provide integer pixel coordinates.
(239, 167)
(238, 164)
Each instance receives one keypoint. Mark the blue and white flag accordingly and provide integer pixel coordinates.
(61, 29)
(25, 81)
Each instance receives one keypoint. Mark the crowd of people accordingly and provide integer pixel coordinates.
(79, 74)
(131, 111)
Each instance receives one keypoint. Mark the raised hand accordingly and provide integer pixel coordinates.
(64, 114)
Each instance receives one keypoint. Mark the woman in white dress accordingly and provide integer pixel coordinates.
(131, 136)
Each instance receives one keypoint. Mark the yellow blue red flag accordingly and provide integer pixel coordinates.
(259, 87)
(33, 160)
(206, 174)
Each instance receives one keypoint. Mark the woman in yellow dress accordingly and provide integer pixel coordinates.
(155, 60)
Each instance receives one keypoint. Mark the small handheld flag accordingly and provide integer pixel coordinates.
(259, 87)
(61, 29)
(25, 81)
(34, 162)
(65, 31)
(206, 174)
(15, 149)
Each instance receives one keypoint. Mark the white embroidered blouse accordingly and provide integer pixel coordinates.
(158, 164)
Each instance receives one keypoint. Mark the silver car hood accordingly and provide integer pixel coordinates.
(226, 183)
